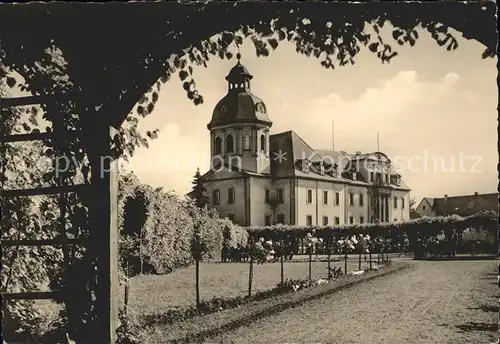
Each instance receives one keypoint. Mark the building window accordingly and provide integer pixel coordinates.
(387, 177)
(361, 200)
(371, 176)
(361, 219)
(351, 198)
(402, 203)
(218, 145)
(325, 197)
(325, 220)
(230, 196)
(351, 220)
(423, 207)
(337, 220)
(216, 197)
(246, 142)
(229, 144)
(231, 217)
(281, 196)
(280, 218)
(267, 220)
(263, 142)
(395, 203)
(268, 196)
(309, 220)
(309, 196)
(337, 198)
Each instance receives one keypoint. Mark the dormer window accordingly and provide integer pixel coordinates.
(396, 179)
(305, 166)
(322, 169)
(334, 170)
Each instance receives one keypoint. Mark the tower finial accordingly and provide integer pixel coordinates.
(238, 55)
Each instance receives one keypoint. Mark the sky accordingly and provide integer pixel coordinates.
(434, 110)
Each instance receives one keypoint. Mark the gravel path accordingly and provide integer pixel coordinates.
(430, 303)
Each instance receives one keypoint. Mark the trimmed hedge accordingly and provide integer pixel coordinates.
(424, 226)
(158, 227)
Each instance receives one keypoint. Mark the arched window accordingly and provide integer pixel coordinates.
(229, 144)
(263, 142)
(218, 145)
(246, 142)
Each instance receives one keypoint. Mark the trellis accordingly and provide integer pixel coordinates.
(103, 187)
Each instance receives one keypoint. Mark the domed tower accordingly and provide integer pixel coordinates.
(239, 129)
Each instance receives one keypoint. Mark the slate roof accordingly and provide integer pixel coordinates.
(293, 150)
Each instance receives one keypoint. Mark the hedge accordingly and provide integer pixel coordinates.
(424, 226)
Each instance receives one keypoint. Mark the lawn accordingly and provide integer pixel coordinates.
(155, 294)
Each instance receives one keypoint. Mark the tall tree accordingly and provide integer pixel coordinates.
(413, 203)
(198, 193)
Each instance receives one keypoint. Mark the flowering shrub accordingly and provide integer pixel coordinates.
(312, 242)
(361, 243)
(262, 251)
(347, 245)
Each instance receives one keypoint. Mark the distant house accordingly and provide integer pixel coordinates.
(459, 205)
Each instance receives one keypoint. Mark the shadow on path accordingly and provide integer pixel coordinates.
(486, 308)
(480, 327)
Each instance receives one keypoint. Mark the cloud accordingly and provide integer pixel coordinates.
(383, 108)
(171, 160)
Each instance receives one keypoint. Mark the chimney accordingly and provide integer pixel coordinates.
(445, 197)
(476, 193)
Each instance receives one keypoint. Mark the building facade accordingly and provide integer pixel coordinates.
(259, 179)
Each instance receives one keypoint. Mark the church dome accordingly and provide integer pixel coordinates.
(239, 105)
